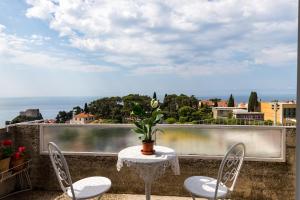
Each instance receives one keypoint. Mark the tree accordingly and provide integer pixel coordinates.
(253, 102)
(205, 112)
(142, 100)
(172, 103)
(184, 100)
(194, 102)
(64, 116)
(154, 96)
(107, 108)
(116, 113)
(77, 110)
(86, 108)
(170, 106)
(230, 101)
(185, 113)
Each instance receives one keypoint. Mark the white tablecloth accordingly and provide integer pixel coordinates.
(149, 167)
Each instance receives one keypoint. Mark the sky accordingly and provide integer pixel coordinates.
(111, 47)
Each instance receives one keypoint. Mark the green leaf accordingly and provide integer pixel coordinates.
(139, 130)
(158, 118)
(138, 124)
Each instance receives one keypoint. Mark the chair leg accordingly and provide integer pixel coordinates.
(193, 197)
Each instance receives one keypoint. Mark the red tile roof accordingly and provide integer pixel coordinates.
(84, 115)
(221, 103)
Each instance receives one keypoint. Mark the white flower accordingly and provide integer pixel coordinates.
(154, 103)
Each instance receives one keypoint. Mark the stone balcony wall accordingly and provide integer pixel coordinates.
(257, 181)
(6, 186)
(3, 134)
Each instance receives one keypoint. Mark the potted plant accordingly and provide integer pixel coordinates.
(145, 126)
(6, 152)
(18, 159)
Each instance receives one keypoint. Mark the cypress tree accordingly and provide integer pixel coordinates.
(230, 101)
(253, 102)
(86, 109)
(154, 96)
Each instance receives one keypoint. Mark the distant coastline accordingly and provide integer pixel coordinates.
(244, 98)
(50, 106)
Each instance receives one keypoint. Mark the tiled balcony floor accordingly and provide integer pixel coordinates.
(50, 195)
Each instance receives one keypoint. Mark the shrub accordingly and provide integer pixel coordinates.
(171, 120)
(268, 122)
(183, 119)
(186, 111)
(110, 121)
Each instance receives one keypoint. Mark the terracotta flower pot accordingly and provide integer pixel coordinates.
(17, 164)
(4, 164)
(148, 148)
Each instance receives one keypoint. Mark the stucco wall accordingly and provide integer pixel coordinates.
(258, 180)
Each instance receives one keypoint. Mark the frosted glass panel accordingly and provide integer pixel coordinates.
(262, 143)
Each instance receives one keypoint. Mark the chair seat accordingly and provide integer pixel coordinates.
(90, 187)
(203, 186)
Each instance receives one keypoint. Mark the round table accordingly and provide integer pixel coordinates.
(149, 167)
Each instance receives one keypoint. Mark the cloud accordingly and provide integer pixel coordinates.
(38, 39)
(2, 27)
(277, 55)
(182, 37)
(41, 9)
(20, 52)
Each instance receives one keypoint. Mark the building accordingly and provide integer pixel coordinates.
(285, 111)
(244, 114)
(243, 105)
(82, 118)
(223, 112)
(210, 103)
(34, 113)
(49, 121)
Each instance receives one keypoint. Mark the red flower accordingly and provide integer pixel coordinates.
(17, 155)
(7, 142)
(21, 149)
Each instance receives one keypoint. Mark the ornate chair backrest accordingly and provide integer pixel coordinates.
(230, 167)
(61, 168)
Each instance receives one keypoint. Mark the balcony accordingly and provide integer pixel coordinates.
(267, 173)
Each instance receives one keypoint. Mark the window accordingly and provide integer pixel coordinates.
(289, 113)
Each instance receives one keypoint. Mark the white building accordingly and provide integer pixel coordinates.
(82, 118)
(244, 114)
(223, 112)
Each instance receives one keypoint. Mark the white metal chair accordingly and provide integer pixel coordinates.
(83, 189)
(210, 188)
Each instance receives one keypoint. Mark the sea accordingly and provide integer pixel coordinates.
(50, 106)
